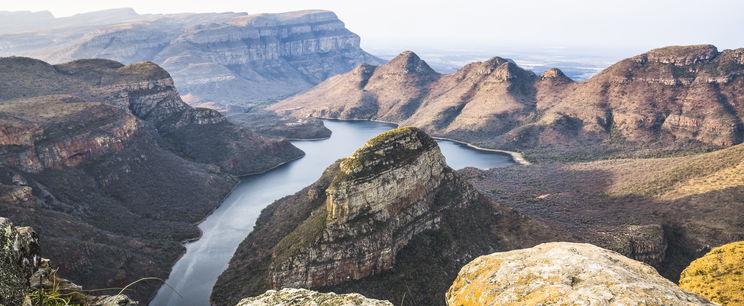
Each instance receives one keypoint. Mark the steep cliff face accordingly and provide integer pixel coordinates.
(226, 59)
(112, 168)
(564, 273)
(677, 98)
(391, 214)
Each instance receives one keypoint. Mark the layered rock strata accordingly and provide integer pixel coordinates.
(221, 59)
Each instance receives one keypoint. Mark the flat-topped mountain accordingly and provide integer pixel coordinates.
(679, 98)
(223, 58)
(112, 168)
(389, 221)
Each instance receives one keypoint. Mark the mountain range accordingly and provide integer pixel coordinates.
(668, 99)
(216, 59)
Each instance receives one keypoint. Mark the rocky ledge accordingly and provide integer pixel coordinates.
(564, 273)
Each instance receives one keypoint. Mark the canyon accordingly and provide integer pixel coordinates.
(220, 60)
(672, 99)
(393, 222)
(366, 224)
(112, 168)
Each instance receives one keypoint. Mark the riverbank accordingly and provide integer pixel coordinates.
(517, 157)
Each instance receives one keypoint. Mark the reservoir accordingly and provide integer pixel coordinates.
(196, 272)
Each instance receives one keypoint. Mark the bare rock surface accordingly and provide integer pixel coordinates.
(304, 297)
(564, 273)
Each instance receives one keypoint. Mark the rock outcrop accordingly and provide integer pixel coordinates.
(392, 221)
(221, 59)
(673, 98)
(19, 258)
(23, 271)
(718, 276)
(112, 168)
(564, 273)
(303, 297)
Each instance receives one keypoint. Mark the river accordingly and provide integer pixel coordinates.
(196, 272)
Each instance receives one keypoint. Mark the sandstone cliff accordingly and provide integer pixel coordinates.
(718, 276)
(673, 98)
(392, 220)
(564, 273)
(223, 58)
(112, 168)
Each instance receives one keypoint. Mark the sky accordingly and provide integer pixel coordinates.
(480, 24)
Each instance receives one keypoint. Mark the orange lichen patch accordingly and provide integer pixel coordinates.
(718, 276)
(472, 287)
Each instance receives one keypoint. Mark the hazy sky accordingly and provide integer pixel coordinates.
(470, 24)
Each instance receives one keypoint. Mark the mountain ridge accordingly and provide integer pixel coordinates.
(679, 98)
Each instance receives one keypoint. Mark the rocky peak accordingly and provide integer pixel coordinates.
(408, 66)
(681, 55)
(555, 75)
(405, 153)
(496, 68)
(384, 194)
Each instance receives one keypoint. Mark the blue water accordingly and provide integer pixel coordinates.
(196, 272)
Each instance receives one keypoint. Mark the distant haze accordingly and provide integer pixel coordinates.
(630, 25)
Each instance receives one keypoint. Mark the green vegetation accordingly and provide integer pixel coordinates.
(306, 233)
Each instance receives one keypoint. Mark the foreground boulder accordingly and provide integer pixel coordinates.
(564, 273)
(304, 297)
(718, 275)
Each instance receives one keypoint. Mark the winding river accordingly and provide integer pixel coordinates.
(196, 272)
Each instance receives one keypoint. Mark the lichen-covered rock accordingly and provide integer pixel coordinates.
(565, 274)
(718, 276)
(19, 258)
(304, 297)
